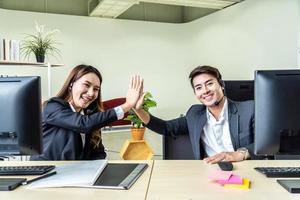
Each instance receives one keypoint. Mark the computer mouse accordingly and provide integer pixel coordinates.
(225, 165)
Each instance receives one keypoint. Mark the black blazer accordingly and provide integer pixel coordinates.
(61, 132)
(241, 125)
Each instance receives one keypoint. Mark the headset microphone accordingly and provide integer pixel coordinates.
(222, 84)
(218, 102)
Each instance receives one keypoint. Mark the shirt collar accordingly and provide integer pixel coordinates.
(73, 109)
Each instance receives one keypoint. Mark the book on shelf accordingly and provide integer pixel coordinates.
(6, 49)
(9, 50)
(15, 50)
(93, 174)
(1, 49)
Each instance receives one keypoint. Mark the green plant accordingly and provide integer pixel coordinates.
(41, 43)
(148, 103)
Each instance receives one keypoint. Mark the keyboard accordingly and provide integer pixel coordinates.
(25, 170)
(278, 172)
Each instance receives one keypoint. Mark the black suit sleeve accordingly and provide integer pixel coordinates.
(61, 115)
(173, 127)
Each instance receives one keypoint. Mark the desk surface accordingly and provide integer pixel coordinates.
(137, 191)
(170, 179)
(188, 179)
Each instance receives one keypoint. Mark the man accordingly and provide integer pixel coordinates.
(219, 130)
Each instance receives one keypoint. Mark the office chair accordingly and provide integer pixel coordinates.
(111, 103)
(178, 148)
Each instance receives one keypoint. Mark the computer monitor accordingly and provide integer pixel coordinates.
(277, 112)
(180, 148)
(20, 115)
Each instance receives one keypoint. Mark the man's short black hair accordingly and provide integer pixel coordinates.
(205, 69)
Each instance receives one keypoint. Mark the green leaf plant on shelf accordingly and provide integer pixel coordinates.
(138, 130)
(40, 44)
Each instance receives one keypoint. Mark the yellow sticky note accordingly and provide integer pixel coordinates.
(245, 185)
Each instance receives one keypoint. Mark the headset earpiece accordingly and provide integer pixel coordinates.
(222, 83)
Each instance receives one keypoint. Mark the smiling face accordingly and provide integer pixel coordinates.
(84, 91)
(207, 89)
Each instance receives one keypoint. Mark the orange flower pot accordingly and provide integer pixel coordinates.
(137, 133)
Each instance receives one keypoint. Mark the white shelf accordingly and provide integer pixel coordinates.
(116, 129)
(34, 64)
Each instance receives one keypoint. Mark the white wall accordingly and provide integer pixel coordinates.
(252, 35)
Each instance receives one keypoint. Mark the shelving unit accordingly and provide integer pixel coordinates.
(35, 64)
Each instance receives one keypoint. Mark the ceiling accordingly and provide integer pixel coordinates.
(114, 8)
(171, 11)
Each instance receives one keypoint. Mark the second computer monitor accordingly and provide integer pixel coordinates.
(277, 112)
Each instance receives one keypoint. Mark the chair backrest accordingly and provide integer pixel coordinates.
(178, 148)
(111, 103)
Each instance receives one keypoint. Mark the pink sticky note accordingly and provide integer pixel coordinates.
(234, 179)
(220, 175)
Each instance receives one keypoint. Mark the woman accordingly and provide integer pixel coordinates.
(72, 120)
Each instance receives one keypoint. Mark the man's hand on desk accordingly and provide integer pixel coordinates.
(225, 156)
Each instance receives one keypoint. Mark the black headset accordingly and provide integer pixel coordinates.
(222, 84)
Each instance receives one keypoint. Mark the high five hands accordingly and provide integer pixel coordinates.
(135, 90)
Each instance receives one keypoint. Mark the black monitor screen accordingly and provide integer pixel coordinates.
(277, 112)
(239, 90)
(20, 119)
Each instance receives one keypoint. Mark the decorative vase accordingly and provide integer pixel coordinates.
(40, 58)
(138, 133)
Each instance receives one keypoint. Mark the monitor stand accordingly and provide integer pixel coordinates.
(289, 145)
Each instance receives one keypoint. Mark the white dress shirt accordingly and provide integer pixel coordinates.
(216, 134)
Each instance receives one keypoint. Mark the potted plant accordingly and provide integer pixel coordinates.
(40, 44)
(138, 130)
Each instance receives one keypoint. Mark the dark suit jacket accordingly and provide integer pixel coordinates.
(241, 125)
(61, 132)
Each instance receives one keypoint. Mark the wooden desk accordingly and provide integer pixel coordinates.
(137, 191)
(188, 180)
(170, 179)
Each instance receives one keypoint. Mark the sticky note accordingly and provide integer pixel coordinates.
(245, 185)
(220, 175)
(234, 179)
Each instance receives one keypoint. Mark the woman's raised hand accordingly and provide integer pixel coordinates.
(134, 92)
